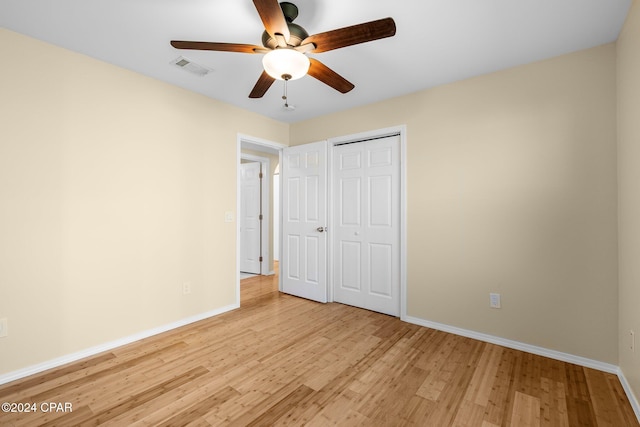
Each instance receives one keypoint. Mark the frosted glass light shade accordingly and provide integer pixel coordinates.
(281, 62)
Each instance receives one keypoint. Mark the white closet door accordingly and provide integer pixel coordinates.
(366, 224)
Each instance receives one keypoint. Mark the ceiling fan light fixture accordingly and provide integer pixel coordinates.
(286, 62)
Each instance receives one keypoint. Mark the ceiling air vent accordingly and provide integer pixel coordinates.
(192, 67)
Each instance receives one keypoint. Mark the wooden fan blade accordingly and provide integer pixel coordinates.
(329, 77)
(222, 47)
(262, 85)
(354, 34)
(273, 19)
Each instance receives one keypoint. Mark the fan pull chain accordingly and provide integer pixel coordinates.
(286, 78)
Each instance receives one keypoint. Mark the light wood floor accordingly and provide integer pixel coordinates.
(281, 360)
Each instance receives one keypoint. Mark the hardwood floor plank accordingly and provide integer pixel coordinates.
(435, 382)
(254, 405)
(474, 405)
(74, 418)
(553, 404)
(579, 405)
(196, 412)
(333, 362)
(484, 375)
(469, 413)
(457, 377)
(625, 410)
(416, 410)
(53, 377)
(149, 394)
(499, 405)
(280, 360)
(526, 411)
(89, 382)
(603, 397)
(278, 412)
(333, 412)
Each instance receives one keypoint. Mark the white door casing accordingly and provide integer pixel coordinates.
(304, 219)
(250, 227)
(366, 224)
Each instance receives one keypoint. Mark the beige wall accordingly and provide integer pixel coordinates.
(629, 193)
(511, 189)
(110, 184)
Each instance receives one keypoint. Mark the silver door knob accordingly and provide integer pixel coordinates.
(321, 229)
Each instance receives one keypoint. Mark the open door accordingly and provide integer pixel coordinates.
(304, 220)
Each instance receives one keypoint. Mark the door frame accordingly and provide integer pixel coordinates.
(253, 143)
(374, 134)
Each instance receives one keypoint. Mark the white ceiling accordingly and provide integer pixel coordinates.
(437, 41)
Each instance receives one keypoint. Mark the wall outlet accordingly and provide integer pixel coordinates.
(4, 327)
(494, 300)
(186, 288)
(632, 340)
(228, 216)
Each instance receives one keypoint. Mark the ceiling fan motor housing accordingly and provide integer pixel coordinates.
(298, 34)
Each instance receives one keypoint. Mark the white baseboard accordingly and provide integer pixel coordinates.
(540, 351)
(63, 360)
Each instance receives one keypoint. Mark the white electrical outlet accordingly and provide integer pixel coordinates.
(632, 340)
(186, 288)
(4, 327)
(494, 300)
(228, 216)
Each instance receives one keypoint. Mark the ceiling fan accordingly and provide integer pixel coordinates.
(286, 44)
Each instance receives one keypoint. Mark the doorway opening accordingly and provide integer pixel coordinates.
(257, 215)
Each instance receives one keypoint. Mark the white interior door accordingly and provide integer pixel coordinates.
(304, 219)
(366, 224)
(250, 232)
(276, 215)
